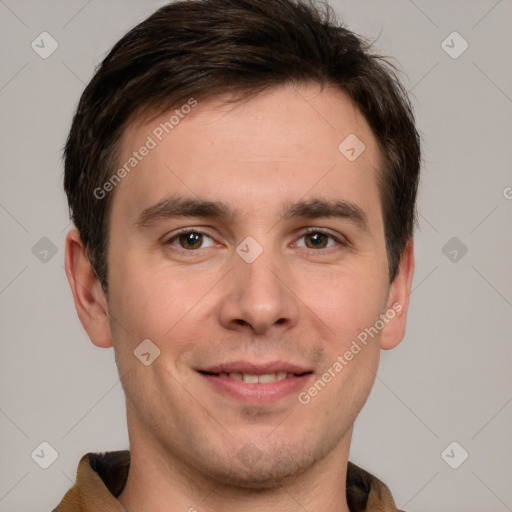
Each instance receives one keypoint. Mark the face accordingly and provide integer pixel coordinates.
(250, 251)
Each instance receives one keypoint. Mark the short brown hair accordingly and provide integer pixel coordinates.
(199, 48)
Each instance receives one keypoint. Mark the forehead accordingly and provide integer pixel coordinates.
(283, 142)
(288, 111)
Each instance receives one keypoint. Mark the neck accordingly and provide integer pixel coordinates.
(160, 482)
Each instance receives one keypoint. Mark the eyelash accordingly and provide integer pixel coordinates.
(342, 241)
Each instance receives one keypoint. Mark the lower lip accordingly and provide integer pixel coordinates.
(257, 393)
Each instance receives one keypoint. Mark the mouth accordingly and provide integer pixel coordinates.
(249, 378)
(256, 384)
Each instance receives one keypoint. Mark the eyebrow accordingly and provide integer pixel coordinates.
(178, 206)
(183, 207)
(322, 208)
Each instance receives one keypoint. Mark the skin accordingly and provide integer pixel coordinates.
(296, 302)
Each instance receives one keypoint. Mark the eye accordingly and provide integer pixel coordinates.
(189, 240)
(314, 239)
(319, 239)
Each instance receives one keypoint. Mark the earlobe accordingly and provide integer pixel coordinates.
(90, 301)
(398, 300)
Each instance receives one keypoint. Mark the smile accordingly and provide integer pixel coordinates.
(256, 384)
(254, 379)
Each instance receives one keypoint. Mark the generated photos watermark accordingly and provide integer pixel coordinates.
(152, 141)
(341, 361)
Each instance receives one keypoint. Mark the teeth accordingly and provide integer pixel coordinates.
(268, 377)
(254, 379)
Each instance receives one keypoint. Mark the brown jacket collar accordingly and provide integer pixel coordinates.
(101, 477)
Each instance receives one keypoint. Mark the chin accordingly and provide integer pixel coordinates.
(257, 470)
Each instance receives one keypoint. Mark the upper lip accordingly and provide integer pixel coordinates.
(255, 368)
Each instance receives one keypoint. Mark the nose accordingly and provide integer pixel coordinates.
(258, 297)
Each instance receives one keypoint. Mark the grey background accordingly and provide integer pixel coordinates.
(450, 379)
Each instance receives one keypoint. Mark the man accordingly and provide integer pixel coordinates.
(242, 176)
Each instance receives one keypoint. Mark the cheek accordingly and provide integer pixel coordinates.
(348, 302)
(151, 300)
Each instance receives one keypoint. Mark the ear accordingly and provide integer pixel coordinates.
(90, 302)
(398, 300)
